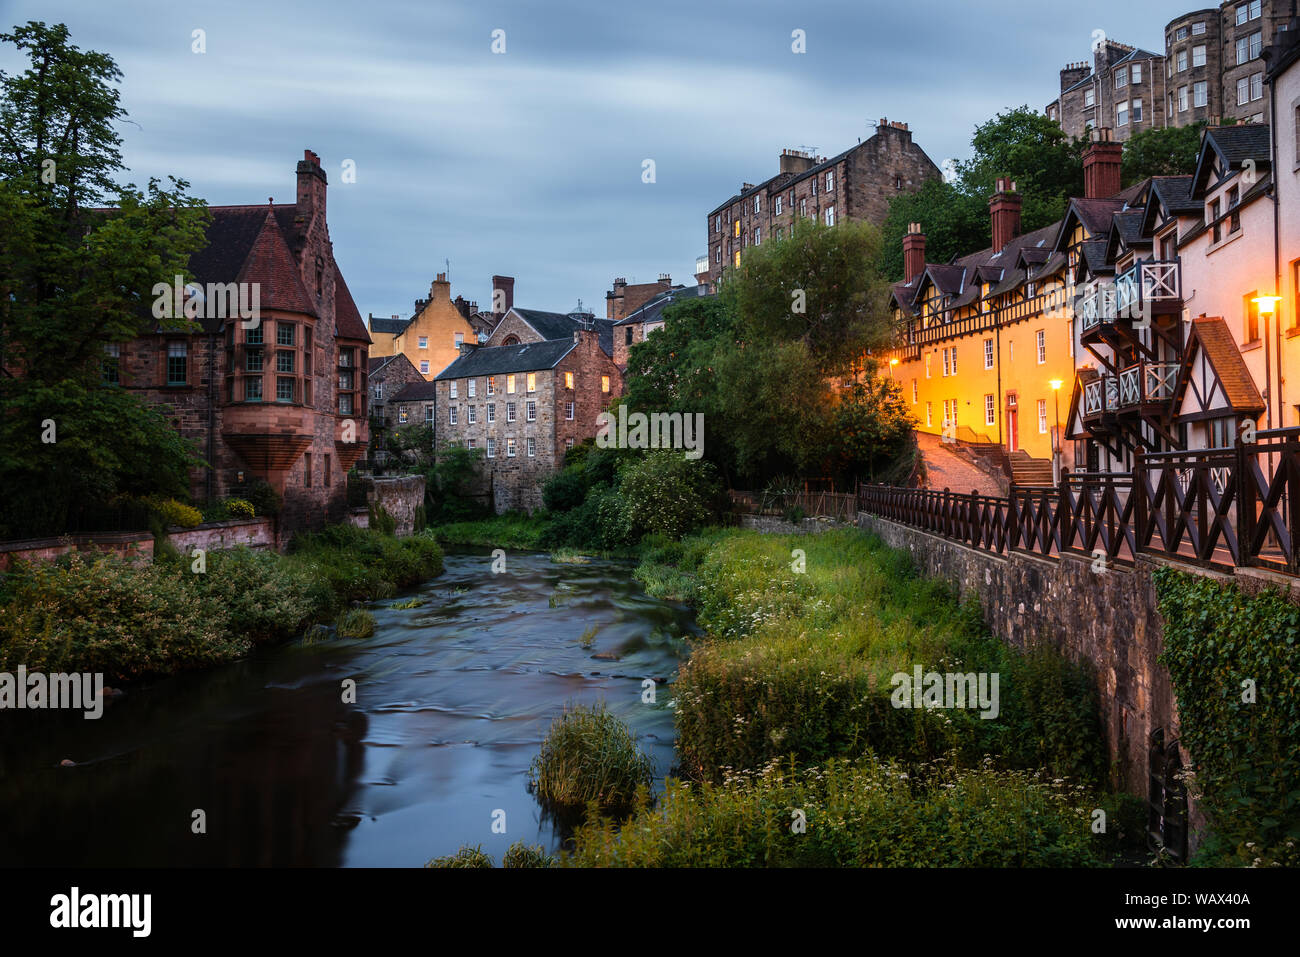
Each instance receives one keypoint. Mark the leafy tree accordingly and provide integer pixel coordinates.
(1172, 151)
(75, 278)
(872, 429)
(1020, 144)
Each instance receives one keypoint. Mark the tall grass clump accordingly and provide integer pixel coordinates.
(509, 530)
(466, 857)
(864, 813)
(356, 564)
(589, 758)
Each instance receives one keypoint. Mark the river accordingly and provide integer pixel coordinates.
(452, 701)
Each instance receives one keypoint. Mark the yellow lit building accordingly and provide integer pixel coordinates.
(432, 338)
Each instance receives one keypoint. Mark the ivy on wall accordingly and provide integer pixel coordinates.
(1235, 664)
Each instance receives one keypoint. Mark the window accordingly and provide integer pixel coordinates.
(424, 367)
(253, 337)
(1121, 114)
(1234, 202)
(627, 338)
(1198, 55)
(803, 207)
(401, 415)
(471, 387)
(451, 415)
(491, 448)
(1198, 29)
(510, 411)
(1250, 326)
(947, 406)
(1180, 59)
(510, 385)
(568, 380)
(758, 236)
(1121, 77)
(1182, 99)
(1041, 337)
(532, 382)
(306, 470)
(1180, 34)
(777, 210)
(1136, 73)
(830, 182)
(253, 389)
(737, 229)
(532, 446)
(112, 362)
(284, 388)
(1257, 86)
(176, 363)
(927, 364)
(1137, 111)
(736, 258)
(812, 184)
(1089, 98)
(472, 414)
(1243, 91)
(946, 368)
(830, 215)
(1243, 13)
(345, 403)
(428, 413)
(284, 361)
(345, 379)
(604, 383)
(530, 411)
(424, 342)
(453, 389)
(510, 448)
(491, 385)
(284, 335)
(1011, 352)
(1200, 93)
(327, 470)
(471, 444)
(1042, 416)
(758, 204)
(990, 409)
(568, 411)
(929, 413)
(306, 350)
(1216, 211)
(913, 392)
(988, 353)
(492, 412)
(1295, 294)
(458, 339)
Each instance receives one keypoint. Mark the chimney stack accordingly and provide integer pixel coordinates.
(440, 289)
(506, 286)
(913, 252)
(311, 188)
(1102, 164)
(1004, 205)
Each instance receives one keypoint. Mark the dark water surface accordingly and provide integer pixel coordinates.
(452, 702)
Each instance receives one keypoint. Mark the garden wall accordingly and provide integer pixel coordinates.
(400, 497)
(138, 546)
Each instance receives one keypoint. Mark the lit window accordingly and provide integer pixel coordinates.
(510, 448)
(568, 380)
(491, 385)
(532, 382)
(510, 385)
(1042, 346)
(604, 383)
(1042, 416)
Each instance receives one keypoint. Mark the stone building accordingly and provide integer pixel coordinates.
(624, 299)
(1211, 70)
(281, 396)
(389, 376)
(1122, 89)
(637, 324)
(857, 184)
(524, 405)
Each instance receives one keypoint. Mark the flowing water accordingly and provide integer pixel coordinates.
(452, 702)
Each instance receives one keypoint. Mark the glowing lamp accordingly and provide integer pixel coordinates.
(1267, 304)
(1056, 385)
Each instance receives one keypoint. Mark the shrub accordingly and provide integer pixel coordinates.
(260, 494)
(857, 814)
(172, 512)
(589, 757)
(564, 491)
(381, 521)
(356, 564)
(465, 857)
(355, 623)
(511, 530)
(524, 855)
(239, 508)
(264, 597)
(668, 494)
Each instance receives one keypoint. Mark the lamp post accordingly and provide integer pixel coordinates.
(1267, 306)
(892, 362)
(1056, 438)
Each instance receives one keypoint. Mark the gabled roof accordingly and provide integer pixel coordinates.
(377, 363)
(1126, 233)
(388, 327)
(423, 391)
(269, 263)
(1233, 147)
(1212, 337)
(502, 360)
(347, 318)
(652, 309)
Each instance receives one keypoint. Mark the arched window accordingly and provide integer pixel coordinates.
(511, 341)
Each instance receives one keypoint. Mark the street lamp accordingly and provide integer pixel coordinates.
(892, 362)
(1056, 439)
(1267, 306)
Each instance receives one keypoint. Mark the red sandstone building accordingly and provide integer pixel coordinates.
(285, 398)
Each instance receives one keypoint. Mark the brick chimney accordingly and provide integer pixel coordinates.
(614, 299)
(913, 252)
(1102, 163)
(796, 161)
(507, 286)
(440, 289)
(1004, 205)
(311, 187)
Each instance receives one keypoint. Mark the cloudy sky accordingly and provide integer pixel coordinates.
(529, 162)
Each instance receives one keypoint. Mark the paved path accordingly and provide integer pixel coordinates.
(947, 469)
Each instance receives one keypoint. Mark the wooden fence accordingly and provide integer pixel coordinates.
(1224, 508)
(840, 505)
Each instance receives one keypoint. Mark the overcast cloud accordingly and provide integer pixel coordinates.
(528, 163)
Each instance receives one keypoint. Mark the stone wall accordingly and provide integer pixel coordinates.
(138, 546)
(400, 497)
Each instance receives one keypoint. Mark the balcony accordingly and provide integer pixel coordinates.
(1146, 290)
(1100, 397)
(1147, 383)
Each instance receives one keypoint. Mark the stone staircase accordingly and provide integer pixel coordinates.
(1026, 470)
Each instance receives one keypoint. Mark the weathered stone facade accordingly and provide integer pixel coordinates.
(399, 497)
(1124, 89)
(858, 184)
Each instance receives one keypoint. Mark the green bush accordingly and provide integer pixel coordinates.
(511, 530)
(264, 597)
(172, 512)
(355, 623)
(357, 564)
(524, 855)
(381, 521)
(1235, 664)
(666, 493)
(564, 491)
(465, 857)
(855, 814)
(261, 495)
(239, 508)
(100, 614)
(589, 757)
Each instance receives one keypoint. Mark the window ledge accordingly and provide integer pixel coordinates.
(1252, 345)
(1293, 332)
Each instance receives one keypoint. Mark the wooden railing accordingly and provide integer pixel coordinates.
(1224, 508)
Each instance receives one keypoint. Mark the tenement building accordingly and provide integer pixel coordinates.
(280, 396)
(1123, 88)
(857, 184)
(431, 338)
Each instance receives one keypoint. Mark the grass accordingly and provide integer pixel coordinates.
(590, 758)
(588, 636)
(511, 530)
(569, 556)
(355, 623)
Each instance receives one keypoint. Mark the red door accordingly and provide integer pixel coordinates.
(1013, 433)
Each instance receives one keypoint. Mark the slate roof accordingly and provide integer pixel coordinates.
(415, 392)
(388, 327)
(652, 310)
(502, 360)
(559, 325)
(1241, 142)
(378, 362)
(1216, 341)
(1176, 193)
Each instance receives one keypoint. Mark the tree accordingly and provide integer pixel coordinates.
(1172, 151)
(872, 431)
(75, 278)
(1020, 144)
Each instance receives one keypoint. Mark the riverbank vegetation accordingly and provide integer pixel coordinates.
(98, 613)
(590, 761)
